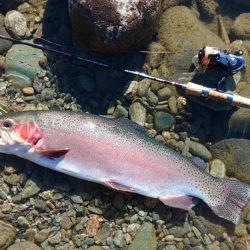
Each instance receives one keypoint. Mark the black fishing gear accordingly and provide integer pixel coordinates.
(231, 63)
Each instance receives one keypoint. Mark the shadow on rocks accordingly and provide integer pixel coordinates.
(90, 84)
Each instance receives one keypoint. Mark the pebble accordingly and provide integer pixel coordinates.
(23, 222)
(163, 121)
(137, 113)
(31, 188)
(93, 225)
(15, 24)
(26, 245)
(7, 234)
(131, 91)
(76, 199)
(199, 150)
(55, 239)
(28, 91)
(66, 223)
(152, 98)
(145, 238)
(120, 111)
(143, 87)
(42, 235)
(217, 168)
(179, 231)
(164, 94)
(172, 105)
(47, 94)
(119, 239)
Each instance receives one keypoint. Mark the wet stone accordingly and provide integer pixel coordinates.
(66, 223)
(163, 120)
(23, 222)
(172, 104)
(180, 231)
(41, 205)
(143, 87)
(42, 235)
(47, 94)
(120, 111)
(95, 210)
(76, 199)
(26, 245)
(31, 188)
(56, 239)
(118, 239)
(7, 234)
(199, 150)
(217, 168)
(137, 113)
(164, 94)
(15, 23)
(152, 98)
(145, 238)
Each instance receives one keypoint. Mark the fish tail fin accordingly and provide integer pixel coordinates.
(230, 200)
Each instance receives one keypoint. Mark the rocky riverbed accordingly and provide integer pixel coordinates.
(43, 209)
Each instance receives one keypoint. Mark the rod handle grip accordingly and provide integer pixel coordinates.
(199, 90)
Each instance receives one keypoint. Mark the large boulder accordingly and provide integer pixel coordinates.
(235, 154)
(110, 26)
(182, 37)
(241, 26)
(22, 64)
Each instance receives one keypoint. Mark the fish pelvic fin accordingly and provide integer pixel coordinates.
(182, 202)
(231, 200)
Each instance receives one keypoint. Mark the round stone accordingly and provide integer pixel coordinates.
(163, 120)
(15, 23)
(7, 234)
(113, 32)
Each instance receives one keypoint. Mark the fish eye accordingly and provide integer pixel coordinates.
(8, 123)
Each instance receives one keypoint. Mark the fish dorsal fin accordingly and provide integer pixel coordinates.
(126, 122)
(52, 153)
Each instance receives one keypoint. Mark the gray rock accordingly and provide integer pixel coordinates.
(137, 113)
(199, 150)
(152, 98)
(15, 23)
(217, 168)
(143, 87)
(42, 235)
(22, 65)
(119, 238)
(172, 102)
(241, 27)
(26, 245)
(116, 31)
(66, 223)
(31, 188)
(76, 199)
(55, 239)
(7, 234)
(163, 120)
(164, 93)
(145, 238)
(47, 94)
(23, 222)
(120, 111)
(180, 231)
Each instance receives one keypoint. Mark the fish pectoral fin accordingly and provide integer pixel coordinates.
(118, 186)
(183, 202)
(52, 153)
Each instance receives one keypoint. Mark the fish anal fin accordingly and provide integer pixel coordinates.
(183, 202)
(118, 186)
(52, 153)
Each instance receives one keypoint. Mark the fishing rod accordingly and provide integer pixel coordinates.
(190, 88)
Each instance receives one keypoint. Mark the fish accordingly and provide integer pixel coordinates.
(118, 154)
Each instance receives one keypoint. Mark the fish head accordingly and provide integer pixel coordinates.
(18, 133)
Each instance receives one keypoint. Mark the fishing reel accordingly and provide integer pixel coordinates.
(231, 63)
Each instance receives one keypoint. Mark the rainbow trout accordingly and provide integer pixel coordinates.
(118, 154)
